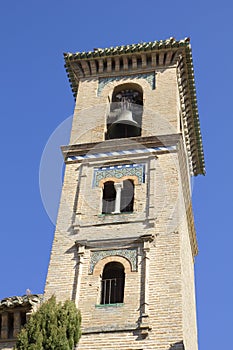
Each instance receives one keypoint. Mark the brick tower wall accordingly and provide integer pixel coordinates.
(165, 280)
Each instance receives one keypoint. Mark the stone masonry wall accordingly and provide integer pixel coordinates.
(187, 262)
(166, 279)
(161, 110)
(159, 293)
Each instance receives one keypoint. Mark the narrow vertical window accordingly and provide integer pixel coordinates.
(113, 282)
(109, 197)
(127, 196)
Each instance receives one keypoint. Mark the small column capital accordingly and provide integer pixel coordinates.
(118, 185)
(81, 251)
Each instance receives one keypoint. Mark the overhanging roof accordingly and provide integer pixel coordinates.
(23, 301)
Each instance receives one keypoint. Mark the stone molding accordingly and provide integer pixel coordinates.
(158, 144)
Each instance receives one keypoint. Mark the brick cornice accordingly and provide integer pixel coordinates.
(125, 144)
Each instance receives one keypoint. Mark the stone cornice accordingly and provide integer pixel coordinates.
(115, 242)
(189, 112)
(162, 141)
(121, 60)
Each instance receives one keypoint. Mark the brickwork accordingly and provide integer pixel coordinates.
(155, 244)
(158, 311)
(170, 258)
(161, 103)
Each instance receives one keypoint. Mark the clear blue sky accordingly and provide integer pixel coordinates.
(36, 98)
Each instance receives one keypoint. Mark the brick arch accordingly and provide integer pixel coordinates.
(134, 178)
(127, 85)
(131, 83)
(108, 88)
(98, 268)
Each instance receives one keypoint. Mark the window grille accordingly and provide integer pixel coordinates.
(112, 284)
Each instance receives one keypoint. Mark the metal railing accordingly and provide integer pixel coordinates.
(112, 290)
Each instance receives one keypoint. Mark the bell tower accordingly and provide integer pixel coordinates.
(125, 242)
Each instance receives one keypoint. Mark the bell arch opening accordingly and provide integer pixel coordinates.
(112, 283)
(126, 109)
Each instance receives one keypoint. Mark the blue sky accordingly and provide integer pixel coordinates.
(36, 98)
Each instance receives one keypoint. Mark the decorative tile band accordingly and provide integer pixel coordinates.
(149, 77)
(119, 171)
(121, 153)
(130, 254)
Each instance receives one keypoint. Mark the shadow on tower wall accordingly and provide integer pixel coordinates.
(177, 346)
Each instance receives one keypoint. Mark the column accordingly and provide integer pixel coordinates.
(151, 195)
(109, 64)
(78, 277)
(144, 314)
(17, 323)
(134, 62)
(118, 186)
(145, 305)
(4, 329)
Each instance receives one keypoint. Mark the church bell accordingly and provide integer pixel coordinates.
(124, 126)
(126, 117)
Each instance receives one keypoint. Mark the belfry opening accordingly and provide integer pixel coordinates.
(126, 109)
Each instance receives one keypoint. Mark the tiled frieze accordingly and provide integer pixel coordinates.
(130, 254)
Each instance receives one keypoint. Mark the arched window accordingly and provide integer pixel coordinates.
(109, 197)
(112, 284)
(118, 197)
(125, 117)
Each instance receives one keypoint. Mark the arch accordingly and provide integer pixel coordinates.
(127, 87)
(112, 283)
(133, 178)
(118, 197)
(98, 268)
(126, 108)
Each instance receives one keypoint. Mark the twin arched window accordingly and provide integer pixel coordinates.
(118, 197)
(112, 284)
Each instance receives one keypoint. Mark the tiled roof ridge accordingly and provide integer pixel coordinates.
(124, 49)
(23, 300)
